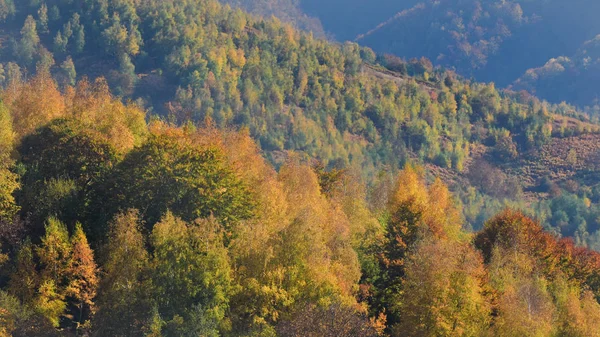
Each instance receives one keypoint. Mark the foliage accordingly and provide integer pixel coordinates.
(193, 232)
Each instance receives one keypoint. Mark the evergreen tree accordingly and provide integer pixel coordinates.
(29, 42)
(68, 70)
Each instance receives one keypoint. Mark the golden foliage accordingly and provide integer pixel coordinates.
(34, 103)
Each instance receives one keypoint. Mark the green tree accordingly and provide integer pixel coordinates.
(191, 271)
(170, 172)
(54, 255)
(60, 44)
(68, 71)
(125, 305)
(7, 9)
(43, 18)
(24, 280)
(63, 161)
(29, 42)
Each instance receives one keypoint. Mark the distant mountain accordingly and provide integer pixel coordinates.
(574, 79)
(489, 40)
(288, 11)
(346, 19)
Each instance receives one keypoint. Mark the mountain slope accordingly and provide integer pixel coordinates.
(492, 41)
(574, 79)
(201, 62)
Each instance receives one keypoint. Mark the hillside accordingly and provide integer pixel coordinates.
(183, 168)
(573, 78)
(288, 11)
(488, 40)
(341, 104)
(112, 226)
(538, 46)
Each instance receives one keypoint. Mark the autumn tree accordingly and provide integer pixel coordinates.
(336, 320)
(54, 256)
(34, 103)
(24, 281)
(124, 304)
(8, 179)
(443, 291)
(83, 278)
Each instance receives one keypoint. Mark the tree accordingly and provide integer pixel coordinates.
(8, 179)
(54, 253)
(24, 280)
(18, 319)
(29, 42)
(82, 276)
(125, 304)
(43, 18)
(335, 320)
(7, 9)
(524, 302)
(79, 34)
(60, 43)
(191, 271)
(50, 302)
(63, 161)
(54, 256)
(68, 70)
(414, 212)
(443, 291)
(34, 103)
(170, 172)
(406, 207)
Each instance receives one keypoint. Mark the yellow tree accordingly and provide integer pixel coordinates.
(442, 291)
(34, 103)
(54, 255)
(415, 212)
(8, 180)
(524, 303)
(24, 281)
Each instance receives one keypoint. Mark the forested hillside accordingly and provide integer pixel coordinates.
(183, 168)
(539, 46)
(112, 226)
(491, 40)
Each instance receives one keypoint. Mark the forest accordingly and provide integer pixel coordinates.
(182, 168)
(117, 226)
(542, 46)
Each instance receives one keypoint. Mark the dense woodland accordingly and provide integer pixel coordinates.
(199, 61)
(181, 168)
(114, 226)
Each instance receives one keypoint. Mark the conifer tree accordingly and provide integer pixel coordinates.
(29, 41)
(83, 278)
